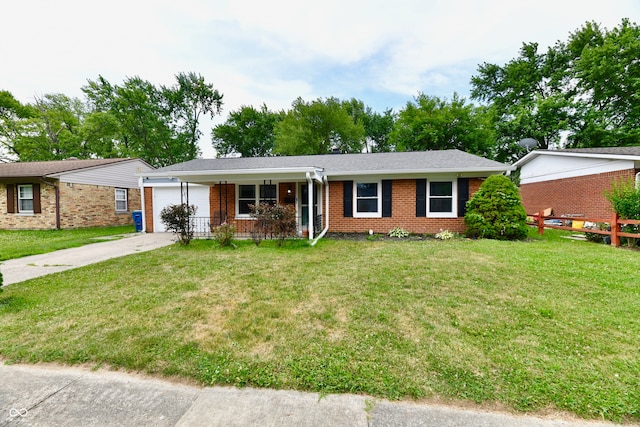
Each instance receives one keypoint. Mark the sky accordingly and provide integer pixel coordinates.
(271, 52)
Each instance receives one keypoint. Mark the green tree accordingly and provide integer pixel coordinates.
(529, 97)
(585, 88)
(317, 127)
(158, 125)
(607, 73)
(14, 123)
(430, 123)
(247, 131)
(189, 100)
(376, 126)
(495, 211)
(53, 131)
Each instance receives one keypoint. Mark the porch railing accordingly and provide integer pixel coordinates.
(204, 226)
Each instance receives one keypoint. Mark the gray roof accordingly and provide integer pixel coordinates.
(632, 152)
(45, 169)
(625, 151)
(345, 164)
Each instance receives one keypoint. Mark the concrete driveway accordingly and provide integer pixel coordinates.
(21, 269)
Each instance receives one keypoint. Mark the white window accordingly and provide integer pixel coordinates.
(121, 199)
(25, 198)
(254, 194)
(441, 199)
(367, 200)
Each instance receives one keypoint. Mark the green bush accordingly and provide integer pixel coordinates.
(177, 219)
(495, 211)
(224, 234)
(625, 200)
(277, 221)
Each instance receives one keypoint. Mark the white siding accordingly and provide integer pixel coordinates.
(121, 174)
(547, 168)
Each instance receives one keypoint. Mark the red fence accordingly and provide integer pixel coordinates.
(615, 231)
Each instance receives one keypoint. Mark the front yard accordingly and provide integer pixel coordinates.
(546, 325)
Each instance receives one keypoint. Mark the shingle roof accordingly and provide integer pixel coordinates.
(632, 152)
(627, 151)
(44, 169)
(332, 164)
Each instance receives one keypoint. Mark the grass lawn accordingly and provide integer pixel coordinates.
(545, 325)
(20, 243)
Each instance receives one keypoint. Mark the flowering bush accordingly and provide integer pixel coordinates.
(398, 232)
(445, 235)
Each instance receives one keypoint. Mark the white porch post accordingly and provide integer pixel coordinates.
(310, 204)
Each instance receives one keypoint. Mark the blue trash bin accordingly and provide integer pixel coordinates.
(137, 220)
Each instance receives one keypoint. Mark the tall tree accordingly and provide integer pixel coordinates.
(318, 127)
(431, 123)
(247, 132)
(585, 89)
(14, 124)
(54, 130)
(607, 73)
(528, 96)
(189, 100)
(376, 126)
(158, 125)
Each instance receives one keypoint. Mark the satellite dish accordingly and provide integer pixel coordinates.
(528, 143)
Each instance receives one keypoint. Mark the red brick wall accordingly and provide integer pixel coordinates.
(403, 212)
(403, 209)
(148, 209)
(578, 195)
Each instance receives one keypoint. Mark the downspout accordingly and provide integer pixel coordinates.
(326, 202)
(310, 204)
(57, 193)
(638, 180)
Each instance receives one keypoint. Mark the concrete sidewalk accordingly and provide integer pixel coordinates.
(21, 269)
(61, 396)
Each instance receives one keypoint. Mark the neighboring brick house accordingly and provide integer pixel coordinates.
(574, 181)
(422, 192)
(69, 193)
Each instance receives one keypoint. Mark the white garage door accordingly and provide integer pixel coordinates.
(165, 196)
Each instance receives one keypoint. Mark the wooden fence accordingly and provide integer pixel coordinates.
(567, 223)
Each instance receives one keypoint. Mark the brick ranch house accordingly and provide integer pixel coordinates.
(69, 193)
(574, 181)
(422, 192)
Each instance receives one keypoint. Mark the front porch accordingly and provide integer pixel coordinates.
(204, 227)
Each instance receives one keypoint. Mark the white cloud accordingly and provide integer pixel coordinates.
(272, 52)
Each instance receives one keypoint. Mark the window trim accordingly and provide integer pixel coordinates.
(378, 213)
(256, 193)
(126, 201)
(454, 198)
(19, 199)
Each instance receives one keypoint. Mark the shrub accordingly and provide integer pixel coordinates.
(177, 219)
(398, 232)
(625, 200)
(0, 282)
(495, 211)
(275, 221)
(445, 235)
(224, 234)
